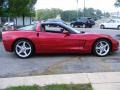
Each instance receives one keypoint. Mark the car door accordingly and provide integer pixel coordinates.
(56, 39)
(114, 24)
(111, 24)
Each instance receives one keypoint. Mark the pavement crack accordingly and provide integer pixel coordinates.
(55, 68)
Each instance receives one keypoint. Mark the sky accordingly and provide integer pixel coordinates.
(104, 5)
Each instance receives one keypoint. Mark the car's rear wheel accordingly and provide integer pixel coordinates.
(90, 26)
(23, 48)
(84, 26)
(72, 25)
(102, 48)
(118, 27)
(102, 26)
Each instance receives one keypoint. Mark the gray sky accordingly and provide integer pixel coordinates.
(104, 5)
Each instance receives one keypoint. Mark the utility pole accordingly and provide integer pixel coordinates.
(77, 8)
(84, 9)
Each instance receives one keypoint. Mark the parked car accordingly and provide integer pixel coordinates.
(56, 38)
(113, 24)
(9, 24)
(85, 22)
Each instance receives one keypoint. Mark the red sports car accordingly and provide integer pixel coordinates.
(56, 38)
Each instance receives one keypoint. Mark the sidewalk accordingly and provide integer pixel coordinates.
(99, 81)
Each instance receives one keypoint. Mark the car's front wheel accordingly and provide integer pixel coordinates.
(118, 27)
(23, 48)
(102, 27)
(84, 26)
(72, 25)
(90, 26)
(102, 48)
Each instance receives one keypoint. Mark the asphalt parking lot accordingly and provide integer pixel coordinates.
(12, 66)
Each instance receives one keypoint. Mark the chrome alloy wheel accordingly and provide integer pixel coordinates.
(102, 48)
(23, 49)
(84, 26)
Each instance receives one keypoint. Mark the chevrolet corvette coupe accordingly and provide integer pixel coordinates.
(51, 38)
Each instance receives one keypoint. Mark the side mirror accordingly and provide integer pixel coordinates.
(66, 33)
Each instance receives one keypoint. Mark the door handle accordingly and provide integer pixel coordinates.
(37, 34)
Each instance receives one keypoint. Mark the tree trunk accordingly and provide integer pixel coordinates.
(23, 20)
(30, 19)
(16, 21)
(0, 21)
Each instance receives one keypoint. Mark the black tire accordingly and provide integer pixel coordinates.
(96, 51)
(118, 27)
(28, 45)
(102, 27)
(72, 25)
(90, 26)
(84, 26)
(78, 26)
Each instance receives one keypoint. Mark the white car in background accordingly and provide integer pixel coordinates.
(9, 24)
(113, 24)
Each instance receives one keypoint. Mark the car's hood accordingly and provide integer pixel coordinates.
(103, 23)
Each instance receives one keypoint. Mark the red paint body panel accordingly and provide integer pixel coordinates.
(56, 42)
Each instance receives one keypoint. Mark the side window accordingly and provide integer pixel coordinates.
(53, 28)
(117, 21)
(114, 21)
(111, 21)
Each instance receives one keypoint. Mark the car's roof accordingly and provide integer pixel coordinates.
(115, 19)
(52, 23)
(85, 18)
(54, 20)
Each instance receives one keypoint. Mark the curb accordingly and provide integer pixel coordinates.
(44, 80)
(80, 78)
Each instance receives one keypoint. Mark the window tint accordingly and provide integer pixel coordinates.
(118, 21)
(111, 21)
(53, 28)
(83, 20)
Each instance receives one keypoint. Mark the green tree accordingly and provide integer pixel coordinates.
(98, 14)
(89, 12)
(21, 8)
(117, 3)
(2, 9)
(1, 3)
(69, 15)
(107, 14)
(44, 14)
(95, 14)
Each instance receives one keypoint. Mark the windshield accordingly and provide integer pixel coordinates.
(69, 27)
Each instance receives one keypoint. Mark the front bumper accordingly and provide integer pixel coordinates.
(115, 45)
